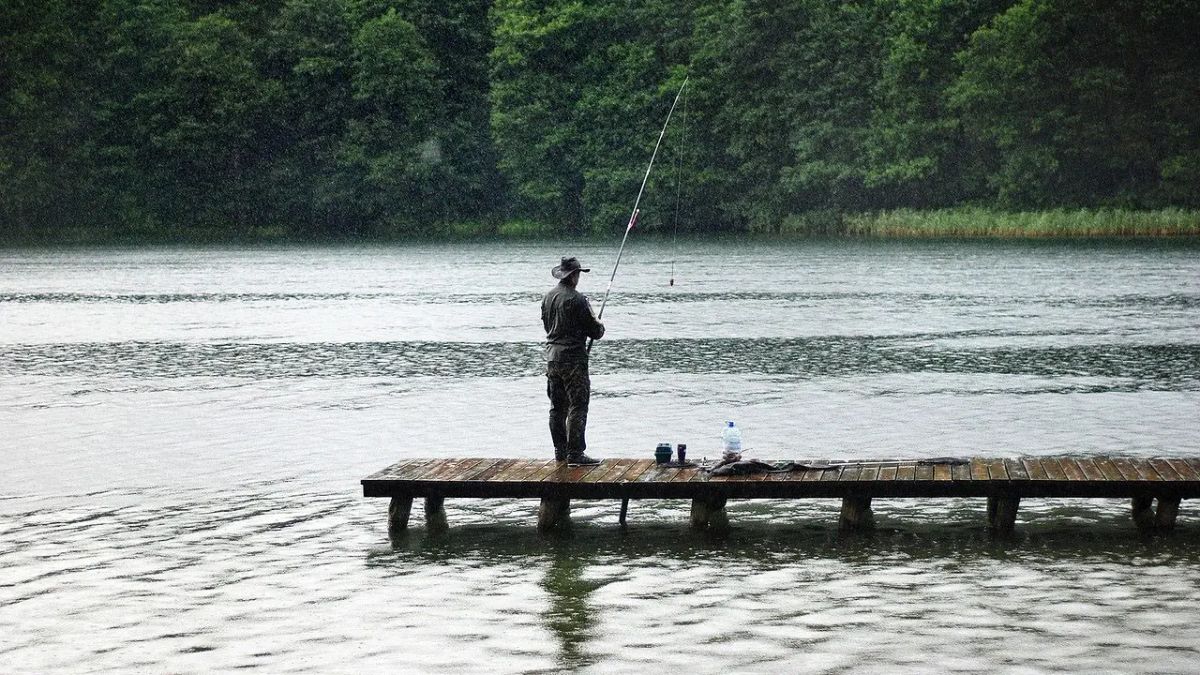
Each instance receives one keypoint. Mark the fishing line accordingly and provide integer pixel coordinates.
(633, 217)
(678, 188)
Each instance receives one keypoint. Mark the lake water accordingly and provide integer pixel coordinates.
(184, 431)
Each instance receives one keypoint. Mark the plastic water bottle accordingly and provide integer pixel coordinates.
(731, 437)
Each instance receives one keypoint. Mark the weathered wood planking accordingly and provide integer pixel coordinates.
(1170, 477)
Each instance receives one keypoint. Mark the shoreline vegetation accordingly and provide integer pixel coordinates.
(957, 223)
(1049, 224)
(143, 121)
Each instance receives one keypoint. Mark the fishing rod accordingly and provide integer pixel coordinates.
(928, 461)
(633, 217)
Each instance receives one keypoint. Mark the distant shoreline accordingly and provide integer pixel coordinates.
(956, 223)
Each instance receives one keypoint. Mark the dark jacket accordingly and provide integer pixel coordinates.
(569, 322)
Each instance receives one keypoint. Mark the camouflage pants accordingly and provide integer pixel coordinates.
(569, 389)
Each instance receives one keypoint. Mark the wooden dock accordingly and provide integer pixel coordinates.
(1155, 486)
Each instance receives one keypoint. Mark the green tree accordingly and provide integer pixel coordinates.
(538, 47)
(916, 150)
(308, 51)
(389, 148)
(47, 82)
(458, 37)
(1074, 103)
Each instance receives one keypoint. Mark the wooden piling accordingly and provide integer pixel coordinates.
(1002, 514)
(1142, 509)
(856, 514)
(554, 513)
(1164, 517)
(398, 511)
(435, 514)
(708, 513)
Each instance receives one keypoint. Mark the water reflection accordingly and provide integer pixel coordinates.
(568, 615)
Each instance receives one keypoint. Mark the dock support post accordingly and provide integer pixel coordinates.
(624, 510)
(708, 513)
(554, 513)
(1002, 514)
(435, 514)
(1150, 517)
(398, 511)
(856, 514)
(1143, 513)
(1164, 517)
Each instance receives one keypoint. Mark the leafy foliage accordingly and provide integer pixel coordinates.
(319, 118)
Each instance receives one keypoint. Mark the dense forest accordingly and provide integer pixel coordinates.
(333, 118)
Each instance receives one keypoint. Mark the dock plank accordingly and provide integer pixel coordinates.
(577, 474)
(534, 468)
(812, 475)
(1145, 469)
(1165, 469)
(979, 469)
(600, 471)
(1054, 469)
(394, 471)
(619, 467)
(1107, 468)
(449, 469)
(1125, 467)
(547, 470)
(653, 473)
(635, 470)
(1090, 470)
(1071, 469)
(832, 474)
(494, 469)
(511, 471)
(997, 470)
(467, 466)
(1034, 469)
(479, 468)
(429, 468)
(1016, 469)
(1193, 462)
(1183, 468)
(960, 472)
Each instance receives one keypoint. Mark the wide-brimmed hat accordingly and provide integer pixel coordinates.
(567, 267)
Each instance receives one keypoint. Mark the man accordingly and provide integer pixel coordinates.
(569, 322)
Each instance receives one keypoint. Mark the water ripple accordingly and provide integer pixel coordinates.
(1124, 367)
(1171, 300)
(305, 581)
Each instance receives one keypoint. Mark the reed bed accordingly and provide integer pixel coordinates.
(1066, 223)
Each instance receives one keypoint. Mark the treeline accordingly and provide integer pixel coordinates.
(318, 118)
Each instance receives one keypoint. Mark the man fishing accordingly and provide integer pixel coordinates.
(569, 322)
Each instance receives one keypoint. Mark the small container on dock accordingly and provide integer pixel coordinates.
(681, 450)
(662, 454)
